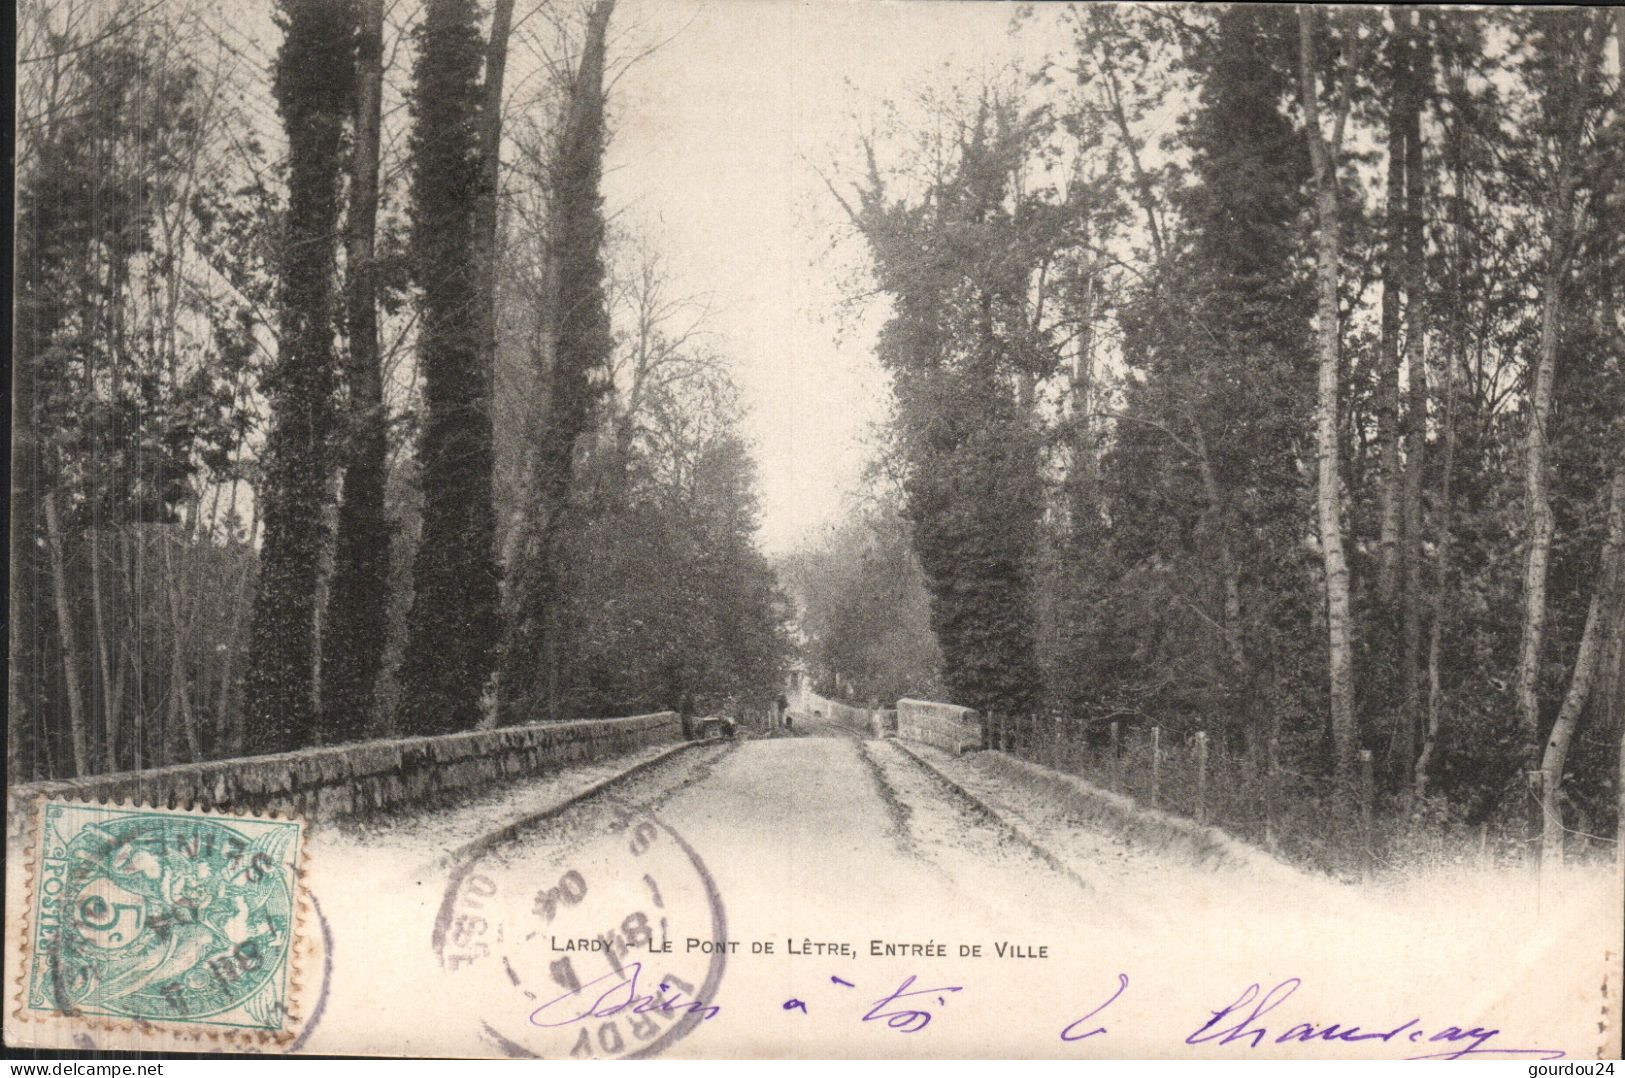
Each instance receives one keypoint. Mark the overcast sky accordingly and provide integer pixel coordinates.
(719, 140)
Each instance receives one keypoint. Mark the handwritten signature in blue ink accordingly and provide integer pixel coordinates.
(1073, 1033)
(619, 995)
(1240, 1021)
(909, 1018)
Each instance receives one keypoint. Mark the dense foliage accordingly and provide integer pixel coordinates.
(965, 354)
(257, 462)
(1176, 525)
(863, 609)
(130, 365)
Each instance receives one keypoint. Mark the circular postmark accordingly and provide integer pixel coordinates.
(166, 917)
(603, 936)
(84, 1042)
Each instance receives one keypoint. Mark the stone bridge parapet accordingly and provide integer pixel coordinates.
(342, 780)
(945, 726)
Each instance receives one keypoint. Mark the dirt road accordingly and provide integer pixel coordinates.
(827, 894)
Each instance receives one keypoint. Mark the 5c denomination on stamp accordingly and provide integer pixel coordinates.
(179, 922)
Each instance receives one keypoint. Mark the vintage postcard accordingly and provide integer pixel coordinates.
(560, 529)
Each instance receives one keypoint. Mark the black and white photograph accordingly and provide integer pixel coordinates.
(816, 529)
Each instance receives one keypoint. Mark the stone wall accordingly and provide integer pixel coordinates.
(342, 780)
(945, 726)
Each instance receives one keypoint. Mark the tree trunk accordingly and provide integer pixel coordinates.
(1565, 102)
(454, 626)
(104, 660)
(487, 215)
(231, 714)
(24, 684)
(357, 623)
(180, 690)
(72, 665)
(1441, 574)
(581, 343)
(1455, 382)
(486, 218)
(1416, 427)
(314, 84)
(1339, 625)
(1388, 355)
(1600, 616)
(1537, 495)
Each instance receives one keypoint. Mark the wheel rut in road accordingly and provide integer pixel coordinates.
(949, 828)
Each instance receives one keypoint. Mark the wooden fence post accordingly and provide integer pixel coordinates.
(1117, 758)
(1548, 853)
(1201, 776)
(1156, 763)
(1271, 782)
(1534, 826)
(1366, 789)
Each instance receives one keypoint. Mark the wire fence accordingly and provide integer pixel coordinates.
(1351, 829)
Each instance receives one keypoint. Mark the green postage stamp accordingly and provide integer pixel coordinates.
(171, 919)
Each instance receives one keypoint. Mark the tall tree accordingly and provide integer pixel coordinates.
(454, 623)
(1566, 66)
(1417, 80)
(357, 611)
(1324, 152)
(1455, 273)
(963, 265)
(580, 345)
(314, 85)
(1599, 340)
(1218, 424)
(1393, 257)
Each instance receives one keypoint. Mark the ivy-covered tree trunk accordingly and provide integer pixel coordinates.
(357, 610)
(581, 345)
(453, 625)
(313, 90)
(975, 504)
